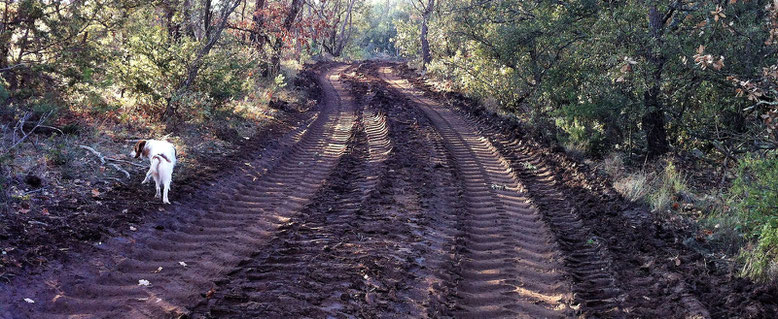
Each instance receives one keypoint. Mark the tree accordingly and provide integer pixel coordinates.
(425, 8)
(211, 38)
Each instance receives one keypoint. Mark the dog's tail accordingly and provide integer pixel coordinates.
(159, 158)
(162, 156)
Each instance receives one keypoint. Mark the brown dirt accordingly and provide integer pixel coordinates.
(83, 213)
(386, 202)
(657, 274)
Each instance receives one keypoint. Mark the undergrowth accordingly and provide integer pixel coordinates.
(754, 202)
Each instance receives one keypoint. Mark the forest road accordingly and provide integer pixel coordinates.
(385, 204)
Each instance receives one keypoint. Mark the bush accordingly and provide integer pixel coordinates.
(754, 199)
(4, 94)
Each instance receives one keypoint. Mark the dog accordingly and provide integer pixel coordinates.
(162, 160)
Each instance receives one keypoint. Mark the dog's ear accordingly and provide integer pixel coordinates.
(139, 148)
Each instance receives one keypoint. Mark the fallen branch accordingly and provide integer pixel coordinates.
(116, 166)
(95, 152)
(125, 162)
(103, 158)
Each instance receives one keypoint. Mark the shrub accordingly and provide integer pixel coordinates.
(754, 199)
(4, 94)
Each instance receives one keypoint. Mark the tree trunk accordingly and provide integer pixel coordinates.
(426, 57)
(169, 8)
(259, 21)
(275, 61)
(207, 18)
(425, 45)
(653, 123)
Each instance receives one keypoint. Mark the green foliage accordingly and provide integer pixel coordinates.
(377, 38)
(754, 198)
(4, 94)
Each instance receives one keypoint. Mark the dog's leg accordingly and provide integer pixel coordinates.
(148, 177)
(157, 182)
(166, 187)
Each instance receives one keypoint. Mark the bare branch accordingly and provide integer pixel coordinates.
(20, 128)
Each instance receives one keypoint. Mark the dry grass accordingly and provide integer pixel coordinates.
(660, 189)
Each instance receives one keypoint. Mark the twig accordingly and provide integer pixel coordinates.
(53, 128)
(103, 158)
(116, 180)
(96, 153)
(20, 127)
(116, 166)
(125, 162)
(33, 191)
(35, 222)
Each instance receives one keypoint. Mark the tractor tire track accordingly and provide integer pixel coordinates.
(510, 264)
(210, 236)
(611, 278)
(319, 265)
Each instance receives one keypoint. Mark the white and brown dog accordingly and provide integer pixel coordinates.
(162, 160)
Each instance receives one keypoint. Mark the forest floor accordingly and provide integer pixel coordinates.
(387, 199)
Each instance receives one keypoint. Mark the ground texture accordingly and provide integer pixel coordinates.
(388, 200)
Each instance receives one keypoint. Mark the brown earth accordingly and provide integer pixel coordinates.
(387, 201)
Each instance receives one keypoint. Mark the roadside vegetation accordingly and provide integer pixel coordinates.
(674, 101)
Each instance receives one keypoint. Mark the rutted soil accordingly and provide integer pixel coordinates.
(655, 273)
(389, 203)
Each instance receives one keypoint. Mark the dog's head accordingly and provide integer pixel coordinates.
(139, 149)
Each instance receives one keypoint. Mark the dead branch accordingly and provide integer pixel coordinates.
(20, 128)
(125, 162)
(116, 166)
(95, 152)
(103, 158)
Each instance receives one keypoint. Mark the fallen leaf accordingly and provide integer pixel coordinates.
(95, 192)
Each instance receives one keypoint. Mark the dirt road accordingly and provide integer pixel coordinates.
(385, 203)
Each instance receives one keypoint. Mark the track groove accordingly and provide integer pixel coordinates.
(493, 284)
(310, 267)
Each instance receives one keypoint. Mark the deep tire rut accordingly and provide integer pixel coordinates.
(510, 265)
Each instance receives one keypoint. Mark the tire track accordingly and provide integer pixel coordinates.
(510, 262)
(605, 284)
(587, 255)
(319, 264)
(210, 235)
